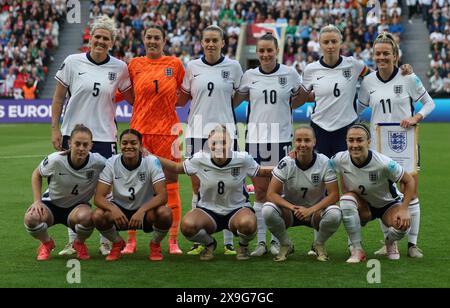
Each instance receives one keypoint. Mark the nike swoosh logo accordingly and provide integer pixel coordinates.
(195, 76)
(346, 172)
(62, 173)
(371, 92)
(79, 74)
(117, 177)
(253, 82)
(318, 78)
(206, 170)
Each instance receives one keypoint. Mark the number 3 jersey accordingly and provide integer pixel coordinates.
(374, 180)
(131, 188)
(269, 114)
(222, 187)
(304, 186)
(92, 88)
(67, 185)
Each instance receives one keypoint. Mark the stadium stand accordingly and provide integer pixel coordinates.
(28, 36)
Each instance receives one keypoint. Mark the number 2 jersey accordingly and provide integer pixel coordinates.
(304, 186)
(92, 87)
(222, 187)
(374, 181)
(132, 188)
(67, 185)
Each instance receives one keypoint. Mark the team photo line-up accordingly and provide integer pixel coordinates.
(294, 172)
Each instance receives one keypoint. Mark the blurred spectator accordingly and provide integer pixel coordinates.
(436, 82)
(29, 89)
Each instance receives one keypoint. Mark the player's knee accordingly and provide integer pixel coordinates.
(32, 219)
(98, 218)
(348, 205)
(84, 217)
(164, 214)
(247, 225)
(188, 227)
(270, 212)
(332, 216)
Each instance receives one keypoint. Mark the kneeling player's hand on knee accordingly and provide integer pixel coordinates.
(136, 220)
(37, 207)
(403, 220)
(119, 218)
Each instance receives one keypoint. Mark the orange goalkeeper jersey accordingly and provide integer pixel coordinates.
(155, 83)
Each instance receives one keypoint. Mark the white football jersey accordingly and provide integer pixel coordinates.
(391, 101)
(92, 88)
(222, 187)
(304, 187)
(374, 181)
(68, 186)
(211, 87)
(269, 114)
(132, 188)
(335, 90)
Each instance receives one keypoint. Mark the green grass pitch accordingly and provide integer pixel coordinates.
(24, 145)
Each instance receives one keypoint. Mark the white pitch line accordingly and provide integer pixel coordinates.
(21, 156)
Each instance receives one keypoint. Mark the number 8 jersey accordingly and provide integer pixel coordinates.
(132, 188)
(222, 187)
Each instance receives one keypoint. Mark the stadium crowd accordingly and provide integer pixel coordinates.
(184, 21)
(436, 15)
(28, 36)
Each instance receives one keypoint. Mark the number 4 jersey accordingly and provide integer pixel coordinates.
(222, 187)
(69, 186)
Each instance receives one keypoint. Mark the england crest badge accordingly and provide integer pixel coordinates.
(397, 141)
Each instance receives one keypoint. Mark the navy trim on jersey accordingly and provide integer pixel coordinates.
(411, 104)
(392, 189)
(224, 164)
(62, 82)
(394, 73)
(369, 158)
(222, 58)
(309, 166)
(88, 56)
(277, 67)
(84, 164)
(133, 167)
(328, 66)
